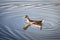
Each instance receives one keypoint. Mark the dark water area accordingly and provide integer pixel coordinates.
(12, 19)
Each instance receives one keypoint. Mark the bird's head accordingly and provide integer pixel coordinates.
(26, 16)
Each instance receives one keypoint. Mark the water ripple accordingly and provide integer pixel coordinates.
(12, 21)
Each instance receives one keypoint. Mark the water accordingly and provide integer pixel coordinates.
(12, 20)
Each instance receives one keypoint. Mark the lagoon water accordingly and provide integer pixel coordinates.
(12, 19)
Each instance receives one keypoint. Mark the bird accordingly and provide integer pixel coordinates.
(34, 23)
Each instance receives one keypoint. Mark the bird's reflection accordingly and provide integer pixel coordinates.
(26, 26)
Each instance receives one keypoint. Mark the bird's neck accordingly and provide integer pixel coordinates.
(28, 19)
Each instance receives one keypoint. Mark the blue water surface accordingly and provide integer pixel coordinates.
(12, 19)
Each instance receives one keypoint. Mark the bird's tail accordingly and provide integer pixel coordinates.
(42, 20)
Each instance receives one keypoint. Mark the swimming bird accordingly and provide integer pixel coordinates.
(34, 23)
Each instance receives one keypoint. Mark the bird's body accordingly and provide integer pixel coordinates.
(34, 22)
